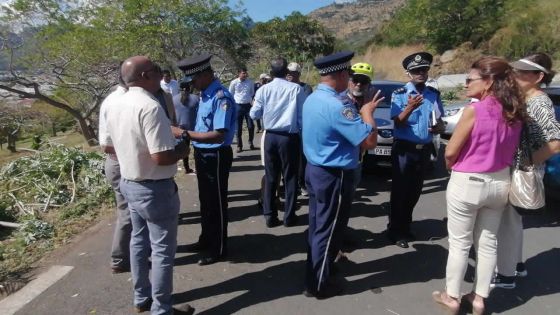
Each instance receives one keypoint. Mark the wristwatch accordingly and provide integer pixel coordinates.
(185, 135)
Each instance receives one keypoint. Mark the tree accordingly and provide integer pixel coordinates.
(76, 46)
(295, 37)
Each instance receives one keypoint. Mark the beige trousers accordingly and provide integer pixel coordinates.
(510, 242)
(475, 204)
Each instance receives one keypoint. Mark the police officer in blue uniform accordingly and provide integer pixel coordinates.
(416, 110)
(333, 133)
(211, 138)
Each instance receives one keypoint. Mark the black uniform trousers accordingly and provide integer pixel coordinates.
(410, 161)
(281, 156)
(330, 197)
(243, 114)
(302, 164)
(212, 172)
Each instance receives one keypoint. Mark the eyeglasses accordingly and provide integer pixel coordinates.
(360, 80)
(469, 80)
(419, 70)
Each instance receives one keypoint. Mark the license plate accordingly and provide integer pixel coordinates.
(381, 151)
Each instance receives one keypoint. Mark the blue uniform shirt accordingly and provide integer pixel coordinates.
(416, 128)
(216, 111)
(332, 129)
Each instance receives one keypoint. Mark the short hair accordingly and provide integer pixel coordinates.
(166, 72)
(242, 69)
(279, 67)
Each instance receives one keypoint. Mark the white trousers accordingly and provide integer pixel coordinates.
(510, 242)
(475, 204)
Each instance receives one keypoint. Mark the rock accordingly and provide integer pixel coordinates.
(447, 56)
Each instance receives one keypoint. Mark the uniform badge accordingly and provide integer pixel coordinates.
(220, 94)
(349, 113)
(224, 106)
(418, 58)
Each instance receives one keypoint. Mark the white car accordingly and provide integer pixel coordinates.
(381, 154)
(452, 114)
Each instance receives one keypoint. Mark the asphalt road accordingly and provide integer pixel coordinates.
(265, 270)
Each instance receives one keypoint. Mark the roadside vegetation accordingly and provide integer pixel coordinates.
(49, 196)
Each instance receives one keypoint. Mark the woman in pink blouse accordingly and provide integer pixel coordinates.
(480, 154)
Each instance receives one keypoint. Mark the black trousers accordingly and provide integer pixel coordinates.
(302, 164)
(212, 172)
(281, 156)
(330, 197)
(410, 161)
(243, 114)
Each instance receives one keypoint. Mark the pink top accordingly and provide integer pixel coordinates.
(492, 142)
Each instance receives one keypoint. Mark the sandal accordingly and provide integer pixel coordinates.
(439, 297)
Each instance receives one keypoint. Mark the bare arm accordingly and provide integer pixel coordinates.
(214, 136)
(546, 151)
(170, 157)
(460, 136)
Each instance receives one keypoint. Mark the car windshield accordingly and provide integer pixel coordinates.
(386, 91)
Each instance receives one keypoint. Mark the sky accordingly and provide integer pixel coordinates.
(264, 10)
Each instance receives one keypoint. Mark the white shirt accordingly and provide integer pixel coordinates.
(137, 127)
(242, 91)
(280, 104)
(172, 87)
(109, 101)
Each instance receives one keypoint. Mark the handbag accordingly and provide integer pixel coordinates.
(527, 188)
(527, 185)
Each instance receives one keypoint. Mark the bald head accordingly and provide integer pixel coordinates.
(141, 71)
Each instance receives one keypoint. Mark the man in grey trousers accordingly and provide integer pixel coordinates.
(120, 250)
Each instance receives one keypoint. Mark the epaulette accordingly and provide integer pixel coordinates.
(400, 90)
(433, 89)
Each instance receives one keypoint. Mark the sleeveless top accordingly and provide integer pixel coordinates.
(492, 142)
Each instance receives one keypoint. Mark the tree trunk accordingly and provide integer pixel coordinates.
(53, 129)
(87, 131)
(11, 143)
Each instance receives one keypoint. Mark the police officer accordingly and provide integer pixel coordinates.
(333, 133)
(416, 110)
(211, 138)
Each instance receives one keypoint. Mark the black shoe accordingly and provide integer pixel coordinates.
(291, 221)
(402, 243)
(326, 292)
(239, 150)
(252, 147)
(184, 309)
(208, 260)
(144, 308)
(119, 269)
(504, 282)
(194, 247)
(520, 270)
(272, 222)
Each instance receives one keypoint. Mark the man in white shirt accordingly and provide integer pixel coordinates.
(243, 90)
(140, 133)
(280, 103)
(120, 249)
(169, 85)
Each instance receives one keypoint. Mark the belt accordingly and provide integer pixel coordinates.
(411, 145)
(145, 181)
(222, 148)
(282, 133)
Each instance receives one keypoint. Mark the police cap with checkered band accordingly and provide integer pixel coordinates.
(193, 65)
(333, 63)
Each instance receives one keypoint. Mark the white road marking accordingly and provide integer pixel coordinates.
(13, 303)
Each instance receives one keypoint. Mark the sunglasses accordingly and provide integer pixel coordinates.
(419, 70)
(469, 80)
(360, 80)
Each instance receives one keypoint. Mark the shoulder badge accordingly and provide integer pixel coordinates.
(433, 89)
(349, 113)
(400, 90)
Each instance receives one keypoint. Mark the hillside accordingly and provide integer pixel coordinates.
(356, 22)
